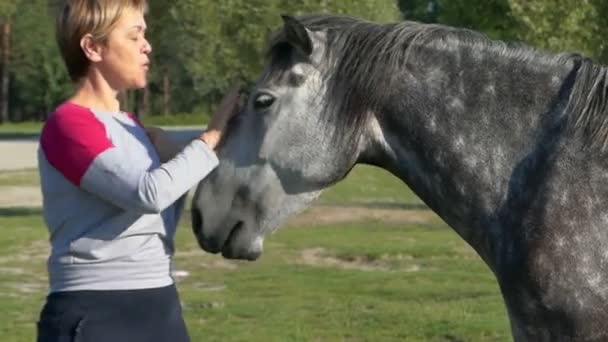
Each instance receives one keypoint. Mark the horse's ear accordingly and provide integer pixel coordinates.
(297, 35)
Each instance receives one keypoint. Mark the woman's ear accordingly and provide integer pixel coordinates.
(90, 48)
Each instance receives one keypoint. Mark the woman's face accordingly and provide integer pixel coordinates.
(125, 59)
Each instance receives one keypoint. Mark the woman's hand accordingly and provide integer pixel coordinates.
(219, 120)
(165, 146)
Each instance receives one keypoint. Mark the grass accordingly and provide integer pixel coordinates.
(24, 130)
(30, 128)
(27, 177)
(360, 281)
(282, 299)
(21, 127)
(449, 296)
(181, 119)
(369, 185)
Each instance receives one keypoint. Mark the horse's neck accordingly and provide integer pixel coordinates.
(455, 137)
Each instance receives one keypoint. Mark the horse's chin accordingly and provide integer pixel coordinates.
(243, 245)
(251, 254)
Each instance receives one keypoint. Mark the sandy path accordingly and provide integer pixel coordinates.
(18, 154)
(20, 196)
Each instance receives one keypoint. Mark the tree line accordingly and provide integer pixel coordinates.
(200, 47)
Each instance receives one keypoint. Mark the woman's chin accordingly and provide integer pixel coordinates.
(139, 84)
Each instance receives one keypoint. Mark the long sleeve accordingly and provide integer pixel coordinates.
(78, 145)
(110, 205)
(111, 177)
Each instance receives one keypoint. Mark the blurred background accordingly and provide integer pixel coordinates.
(201, 46)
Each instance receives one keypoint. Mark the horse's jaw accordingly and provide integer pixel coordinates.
(241, 245)
(232, 236)
(246, 239)
(238, 230)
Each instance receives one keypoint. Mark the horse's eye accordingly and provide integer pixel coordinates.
(263, 101)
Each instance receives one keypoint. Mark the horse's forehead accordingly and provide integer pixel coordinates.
(301, 69)
(297, 76)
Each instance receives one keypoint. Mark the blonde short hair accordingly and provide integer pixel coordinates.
(76, 18)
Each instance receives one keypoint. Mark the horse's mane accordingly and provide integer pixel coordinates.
(369, 57)
(588, 105)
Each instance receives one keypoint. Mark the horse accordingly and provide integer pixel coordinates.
(505, 142)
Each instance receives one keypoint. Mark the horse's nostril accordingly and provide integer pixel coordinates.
(197, 221)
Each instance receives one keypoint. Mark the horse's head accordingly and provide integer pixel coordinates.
(280, 152)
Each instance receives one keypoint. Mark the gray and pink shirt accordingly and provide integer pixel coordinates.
(110, 206)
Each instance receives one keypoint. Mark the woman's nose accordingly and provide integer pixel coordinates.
(147, 47)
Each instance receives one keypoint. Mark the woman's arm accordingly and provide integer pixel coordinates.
(112, 177)
(77, 145)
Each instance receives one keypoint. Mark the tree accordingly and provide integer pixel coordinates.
(225, 40)
(39, 78)
(200, 47)
(488, 16)
(7, 8)
(601, 30)
(426, 11)
(491, 17)
(6, 48)
(570, 25)
(164, 29)
(565, 25)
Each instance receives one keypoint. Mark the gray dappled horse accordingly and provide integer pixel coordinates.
(505, 143)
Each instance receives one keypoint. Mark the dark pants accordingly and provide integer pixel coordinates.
(150, 315)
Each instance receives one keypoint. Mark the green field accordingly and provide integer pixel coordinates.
(19, 178)
(32, 129)
(348, 281)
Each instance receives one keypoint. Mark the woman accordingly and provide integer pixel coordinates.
(111, 198)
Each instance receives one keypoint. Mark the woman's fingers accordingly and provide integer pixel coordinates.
(228, 107)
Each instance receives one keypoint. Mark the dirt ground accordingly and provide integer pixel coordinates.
(321, 214)
(20, 196)
(18, 154)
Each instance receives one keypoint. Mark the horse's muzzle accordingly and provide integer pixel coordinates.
(210, 245)
(240, 244)
(233, 244)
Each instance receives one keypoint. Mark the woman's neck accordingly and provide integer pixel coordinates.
(93, 91)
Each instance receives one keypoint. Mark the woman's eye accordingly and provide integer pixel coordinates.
(263, 101)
